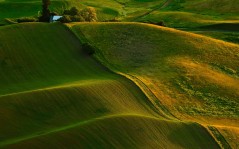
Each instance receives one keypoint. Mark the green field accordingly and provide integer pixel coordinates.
(53, 90)
(142, 86)
(169, 62)
(175, 13)
(193, 76)
(125, 131)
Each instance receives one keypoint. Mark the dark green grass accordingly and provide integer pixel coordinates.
(20, 8)
(123, 131)
(47, 81)
(37, 112)
(234, 27)
(32, 57)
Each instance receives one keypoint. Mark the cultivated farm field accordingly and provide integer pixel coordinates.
(143, 74)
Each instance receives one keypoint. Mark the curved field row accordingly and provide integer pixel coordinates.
(50, 84)
(48, 80)
(180, 19)
(122, 131)
(41, 111)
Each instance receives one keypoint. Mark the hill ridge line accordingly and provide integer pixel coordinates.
(169, 29)
(84, 122)
(158, 108)
(67, 85)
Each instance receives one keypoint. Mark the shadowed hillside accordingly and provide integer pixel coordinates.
(124, 131)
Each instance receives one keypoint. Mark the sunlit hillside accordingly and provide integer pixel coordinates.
(194, 77)
(119, 74)
(53, 90)
(191, 74)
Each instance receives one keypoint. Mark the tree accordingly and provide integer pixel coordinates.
(89, 14)
(45, 17)
(74, 11)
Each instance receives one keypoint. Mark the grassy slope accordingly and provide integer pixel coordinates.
(125, 131)
(232, 37)
(52, 90)
(32, 60)
(231, 135)
(196, 77)
(223, 7)
(183, 19)
(195, 13)
(36, 70)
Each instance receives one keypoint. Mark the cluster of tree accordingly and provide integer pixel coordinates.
(74, 15)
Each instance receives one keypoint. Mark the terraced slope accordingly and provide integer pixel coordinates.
(195, 77)
(53, 94)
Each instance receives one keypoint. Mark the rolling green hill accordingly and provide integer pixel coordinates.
(124, 131)
(47, 81)
(145, 86)
(53, 94)
(222, 7)
(194, 76)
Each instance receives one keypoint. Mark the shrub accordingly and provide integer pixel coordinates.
(161, 23)
(66, 12)
(89, 14)
(65, 19)
(74, 15)
(77, 18)
(72, 12)
(26, 19)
